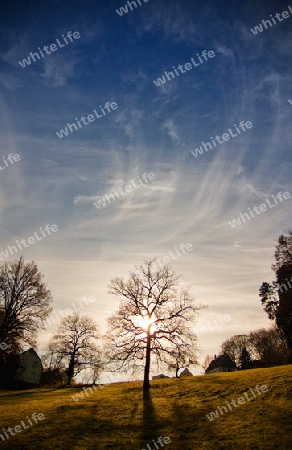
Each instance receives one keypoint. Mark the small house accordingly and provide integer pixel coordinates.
(29, 367)
(157, 377)
(186, 373)
(222, 363)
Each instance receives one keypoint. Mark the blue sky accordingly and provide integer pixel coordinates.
(153, 130)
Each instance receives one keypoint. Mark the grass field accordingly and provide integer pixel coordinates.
(118, 417)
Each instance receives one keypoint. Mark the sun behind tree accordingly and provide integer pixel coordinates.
(154, 318)
(144, 322)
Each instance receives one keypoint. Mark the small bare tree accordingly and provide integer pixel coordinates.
(53, 370)
(153, 318)
(75, 345)
(182, 357)
(205, 364)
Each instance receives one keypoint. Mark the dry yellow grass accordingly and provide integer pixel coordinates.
(118, 417)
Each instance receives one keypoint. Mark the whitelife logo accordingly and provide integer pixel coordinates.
(31, 240)
(10, 158)
(124, 9)
(161, 440)
(259, 28)
(129, 188)
(262, 207)
(58, 316)
(241, 400)
(188, 66)
(225, 137)
(108, 106)
(166, 259)
(89, 390)
(53, 47)
(19, 428)
(86, 391)
(280, 286)
(207, 327)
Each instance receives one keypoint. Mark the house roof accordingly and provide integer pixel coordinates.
(32, 351)
(186, 373)
(221, 361)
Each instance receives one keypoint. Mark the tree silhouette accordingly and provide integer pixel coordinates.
(245, 361)
(276, 297)
(207, 360)
(283, 252)
(184, 355)
(24, 302)
(234, 345)
(75, 345)
(153, 318)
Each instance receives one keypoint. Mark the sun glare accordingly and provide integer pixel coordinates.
(144, 321)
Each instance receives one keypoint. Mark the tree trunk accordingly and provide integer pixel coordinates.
(146, 384)
(70, 371)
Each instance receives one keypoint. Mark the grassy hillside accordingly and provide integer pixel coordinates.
(118, 417)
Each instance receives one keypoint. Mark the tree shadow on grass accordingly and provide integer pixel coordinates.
(150, 428)
(18, 394)
(193, 430)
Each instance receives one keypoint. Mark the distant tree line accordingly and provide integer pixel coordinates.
(272, 347)
(259, 348)
(276, 297)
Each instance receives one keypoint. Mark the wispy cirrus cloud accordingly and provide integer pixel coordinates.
(153, 130)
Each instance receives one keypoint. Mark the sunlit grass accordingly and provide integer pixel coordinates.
(117, 416)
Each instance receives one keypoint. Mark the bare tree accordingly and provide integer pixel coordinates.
(153, 318)
(234, 345)
(53, 370)
(269, 346)
(24, 302)
(184, 355)
(205, 364)
(75, 344)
